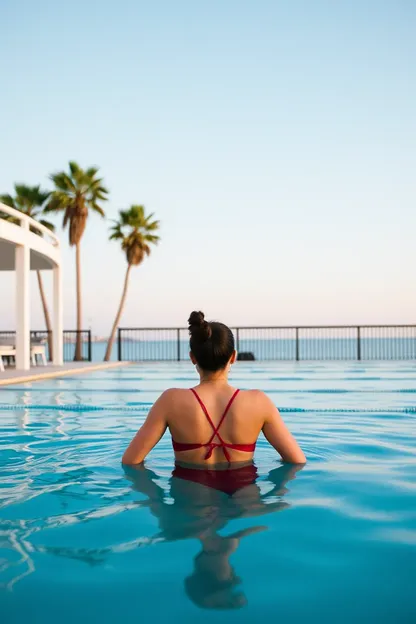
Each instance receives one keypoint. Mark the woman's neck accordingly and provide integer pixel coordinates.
(216, 377)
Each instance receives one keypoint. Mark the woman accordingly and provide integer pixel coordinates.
(214, 426)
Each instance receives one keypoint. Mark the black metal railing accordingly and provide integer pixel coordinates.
(69, 340)
(365, 342)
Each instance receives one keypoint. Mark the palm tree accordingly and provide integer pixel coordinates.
(135, 231)
(76, 193)
(31, 200)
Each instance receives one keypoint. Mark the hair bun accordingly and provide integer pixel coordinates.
(196, 319)
(198, 326)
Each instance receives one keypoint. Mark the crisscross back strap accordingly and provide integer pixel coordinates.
(211, 444)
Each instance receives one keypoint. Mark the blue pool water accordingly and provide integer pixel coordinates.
(83, 540)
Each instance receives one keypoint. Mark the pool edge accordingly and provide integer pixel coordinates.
(69, 369)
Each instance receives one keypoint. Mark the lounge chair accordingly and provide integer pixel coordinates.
(6, 351)
(37, 347)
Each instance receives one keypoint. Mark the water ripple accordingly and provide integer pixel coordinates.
(70, 514)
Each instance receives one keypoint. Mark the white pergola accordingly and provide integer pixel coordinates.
(29, 246)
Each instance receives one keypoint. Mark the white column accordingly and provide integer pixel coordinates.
(22, 268)
(57, 330)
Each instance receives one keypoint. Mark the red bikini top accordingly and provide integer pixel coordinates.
(211, 445)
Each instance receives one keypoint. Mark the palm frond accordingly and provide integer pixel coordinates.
(63, 182)
(91, 172)
(58, 201)
(151, 238)
(7, 200)
(28, 199)
(154, 225)
(23, 190)
(75, 169)
(116, 236)
(97, 209)
(67, 217)
(47, 224)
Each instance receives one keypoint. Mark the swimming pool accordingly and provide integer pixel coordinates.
(84, 540)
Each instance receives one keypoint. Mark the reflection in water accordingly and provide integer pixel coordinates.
(188, 510)
(200, 512)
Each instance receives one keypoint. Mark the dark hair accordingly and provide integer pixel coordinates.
(212, 344)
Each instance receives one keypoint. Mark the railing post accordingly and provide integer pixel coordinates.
(119, 344)
(22, 275)
(49, 340)
(237, 339)
(297, 344)
(178, 337)
(57, 333)
(89, 346)
(358, 343)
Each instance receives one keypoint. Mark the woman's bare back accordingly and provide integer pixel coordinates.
(179, 410)
(188, 423)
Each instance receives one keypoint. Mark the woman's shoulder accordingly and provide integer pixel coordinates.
(256, 398)
(255, 395)
(174, 394)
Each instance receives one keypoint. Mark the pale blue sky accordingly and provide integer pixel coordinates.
(275, 140)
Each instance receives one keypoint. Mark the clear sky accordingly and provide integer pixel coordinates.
(275, 140)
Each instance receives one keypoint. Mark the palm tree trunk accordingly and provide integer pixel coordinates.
(46, 314)
(118, 316)
(78, 344)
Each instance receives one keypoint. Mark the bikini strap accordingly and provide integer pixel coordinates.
(204, 409)
(216, 432)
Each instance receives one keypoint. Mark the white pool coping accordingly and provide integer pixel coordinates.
(11, 376)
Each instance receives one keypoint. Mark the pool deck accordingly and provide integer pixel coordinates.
(37, 373)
